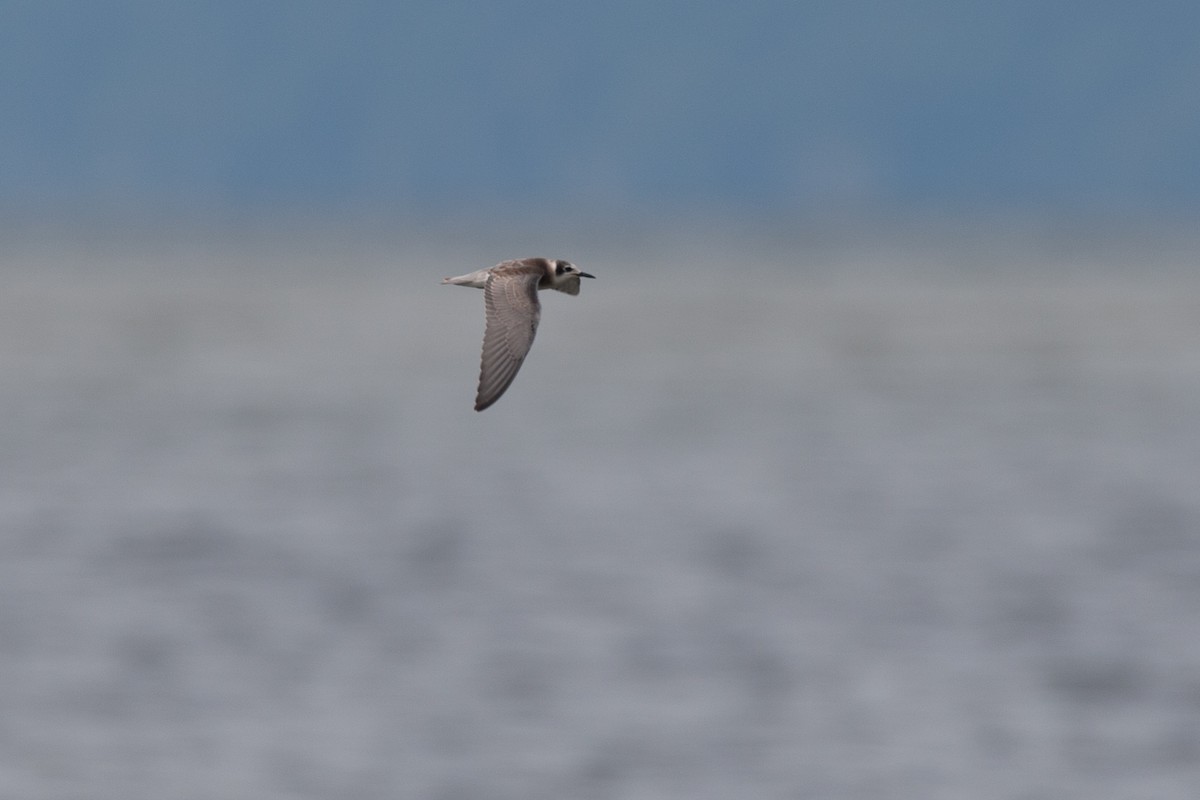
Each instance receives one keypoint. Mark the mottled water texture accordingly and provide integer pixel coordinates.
(826, 525)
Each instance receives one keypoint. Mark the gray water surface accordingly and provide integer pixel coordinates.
(873, 537)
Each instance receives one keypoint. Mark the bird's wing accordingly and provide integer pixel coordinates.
(513, 311)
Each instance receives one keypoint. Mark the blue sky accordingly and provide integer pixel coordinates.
(656, 108)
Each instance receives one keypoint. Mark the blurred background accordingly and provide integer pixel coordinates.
(866, 468)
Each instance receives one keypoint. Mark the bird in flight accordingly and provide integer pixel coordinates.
(510, 298)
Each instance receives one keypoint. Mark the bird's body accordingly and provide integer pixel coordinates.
(510, 298)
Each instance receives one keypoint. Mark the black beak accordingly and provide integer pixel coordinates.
(585, 275)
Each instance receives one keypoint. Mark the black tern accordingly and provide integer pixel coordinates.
(510, 298)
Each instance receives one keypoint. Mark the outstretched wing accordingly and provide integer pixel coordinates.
(513, 311)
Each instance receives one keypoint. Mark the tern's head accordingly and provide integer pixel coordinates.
(565, 269)
(564, 276)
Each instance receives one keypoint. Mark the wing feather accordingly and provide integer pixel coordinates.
(510, 299)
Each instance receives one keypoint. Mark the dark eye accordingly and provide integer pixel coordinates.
(560, 267)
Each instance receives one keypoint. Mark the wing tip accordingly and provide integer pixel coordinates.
(485, 397)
